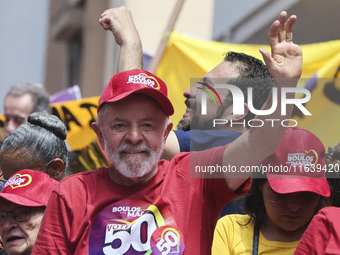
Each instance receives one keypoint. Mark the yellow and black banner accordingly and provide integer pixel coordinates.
(78, 116)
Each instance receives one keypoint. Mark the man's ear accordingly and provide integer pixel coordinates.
(56, 169)
(229, 115)
(238, 117)
(168, 128)
(99, 133)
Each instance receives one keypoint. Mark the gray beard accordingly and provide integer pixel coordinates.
(134, 167)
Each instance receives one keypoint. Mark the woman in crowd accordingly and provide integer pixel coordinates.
(323, 233)
(322, 236)
(282, 200)
(332, 159)
(37, 145)
(22, 205)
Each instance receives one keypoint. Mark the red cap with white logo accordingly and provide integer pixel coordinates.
(129, 82)
(29, 188)
(298, 164)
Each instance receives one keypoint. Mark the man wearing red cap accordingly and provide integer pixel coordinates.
(140, 205)
(22, 205)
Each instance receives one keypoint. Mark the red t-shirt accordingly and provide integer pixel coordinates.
(322, 235)
(88, 213)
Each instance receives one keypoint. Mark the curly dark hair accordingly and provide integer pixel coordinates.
(253, 74)
(248, 66)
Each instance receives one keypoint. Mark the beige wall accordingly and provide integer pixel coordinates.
(55, 77)
(152, 16)
(94, 39)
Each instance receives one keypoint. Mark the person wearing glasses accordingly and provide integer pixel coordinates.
(283, 198)
(22, 205)
(37, 145)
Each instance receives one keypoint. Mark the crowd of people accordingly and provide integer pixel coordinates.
(142, 204)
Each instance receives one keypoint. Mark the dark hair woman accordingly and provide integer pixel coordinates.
(37, 145)
(289, 190)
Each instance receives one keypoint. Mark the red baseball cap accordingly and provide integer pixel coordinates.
(126, 83)
(29, 188)
(298, 164)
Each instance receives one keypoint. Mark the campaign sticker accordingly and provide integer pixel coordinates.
(167, 240)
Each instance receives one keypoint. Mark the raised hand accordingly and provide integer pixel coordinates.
(120, 22)
(286, 58)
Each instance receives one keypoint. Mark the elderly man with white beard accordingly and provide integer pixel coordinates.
(140, 205)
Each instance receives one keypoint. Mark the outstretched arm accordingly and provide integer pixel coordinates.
(120, 22)
(171, 146)
(285, 66)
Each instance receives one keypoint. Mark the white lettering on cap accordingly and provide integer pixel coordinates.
(148, 81)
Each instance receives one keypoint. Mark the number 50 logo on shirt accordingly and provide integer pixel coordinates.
(167, 240)
(133, 227)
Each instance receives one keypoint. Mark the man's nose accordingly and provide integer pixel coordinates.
(191, 92)
(134, 135)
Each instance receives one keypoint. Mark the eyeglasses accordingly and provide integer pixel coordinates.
(47, 165)
(19, 215)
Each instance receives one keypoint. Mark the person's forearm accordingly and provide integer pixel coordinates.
(130, 56)
(120, 22)
(284, 64)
